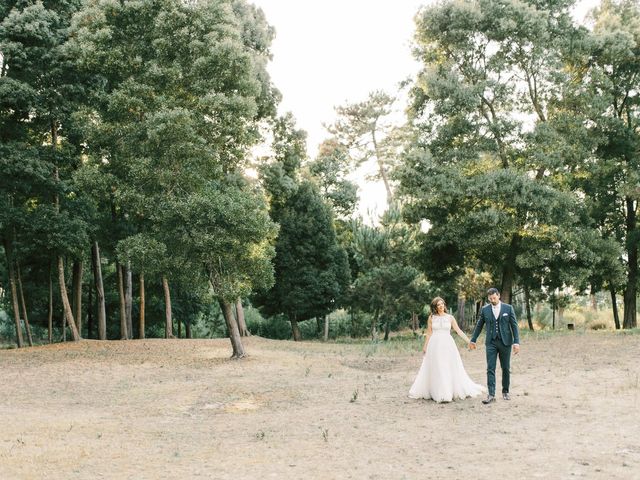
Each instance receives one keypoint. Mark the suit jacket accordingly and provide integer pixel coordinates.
(507, 325)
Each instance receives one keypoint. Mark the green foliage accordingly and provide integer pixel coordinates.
(495, 148)
(311, 270)
(388, 285)
(154, 107)
(330, 169)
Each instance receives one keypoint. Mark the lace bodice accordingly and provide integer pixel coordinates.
(441, 323)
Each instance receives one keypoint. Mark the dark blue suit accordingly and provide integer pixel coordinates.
(501, 334)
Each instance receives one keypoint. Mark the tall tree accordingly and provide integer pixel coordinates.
(365, 129)
(484, 179)
(183, 90)
(39, 91)
(226, 234)
(607, 74)
(311, 269)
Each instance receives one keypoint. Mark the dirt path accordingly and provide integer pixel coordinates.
(179, 409)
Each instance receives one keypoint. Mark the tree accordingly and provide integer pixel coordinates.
(311, 270)
(143, 252)
(485, 180)
(182, 89)
(39, 91)
(329, 170)
(387, 284)
(365, 130)
(606, 71)
(225, 230)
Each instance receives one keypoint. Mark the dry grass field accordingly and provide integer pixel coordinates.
(180, 409)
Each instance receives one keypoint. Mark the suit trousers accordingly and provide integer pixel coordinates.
(497, 349)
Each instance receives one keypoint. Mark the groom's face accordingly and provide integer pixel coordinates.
(494, 298)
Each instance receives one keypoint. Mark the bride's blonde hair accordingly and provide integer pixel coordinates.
(434, 305)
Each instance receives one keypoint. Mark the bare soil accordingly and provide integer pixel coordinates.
(180, 409)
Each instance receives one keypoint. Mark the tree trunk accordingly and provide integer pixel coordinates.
(97, 275)
(68, 313)
(614, 306)
(386, 330)
(128, 299)
(326, 328)
(141, 325)
(179, 325)
(462, 323)
(509, 269)
(124, 335)
(374, 325)
(168, 325)
(232, 328)
(242, 324)
(353, 323)
(50, 313)
(24, 307)
(77, 293)
(527, 302)
(14, 292)
(593, 300)
(382, 168)
(630, 292)
(90, 313)
(295, 329)
(187, 327)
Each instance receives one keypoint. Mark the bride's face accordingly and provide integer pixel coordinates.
(440, 307)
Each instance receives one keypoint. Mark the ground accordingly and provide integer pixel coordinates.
(181, 409)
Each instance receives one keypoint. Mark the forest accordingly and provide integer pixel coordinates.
(149, 187)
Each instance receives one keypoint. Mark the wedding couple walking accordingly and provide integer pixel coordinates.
(442, 376)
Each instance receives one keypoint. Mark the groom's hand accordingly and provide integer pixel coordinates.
(516, 348)
(472, 346)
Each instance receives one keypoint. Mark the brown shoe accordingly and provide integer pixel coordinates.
(506, 396)
(489, 399)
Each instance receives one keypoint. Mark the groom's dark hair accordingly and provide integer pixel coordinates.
(493, 291)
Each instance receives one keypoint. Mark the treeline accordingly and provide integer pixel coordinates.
(524, 155)
(127, 129)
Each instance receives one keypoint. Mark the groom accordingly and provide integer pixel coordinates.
(502, 334)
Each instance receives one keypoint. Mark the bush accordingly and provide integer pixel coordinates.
(277, 327)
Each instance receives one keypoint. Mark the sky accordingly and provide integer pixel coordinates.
(330, 52)
(327, 53)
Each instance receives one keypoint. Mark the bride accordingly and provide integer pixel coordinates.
(442, 376)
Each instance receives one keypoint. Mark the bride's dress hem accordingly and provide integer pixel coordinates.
(453, 399)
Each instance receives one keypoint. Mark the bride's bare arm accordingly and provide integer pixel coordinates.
(429, 332)
(458, 330)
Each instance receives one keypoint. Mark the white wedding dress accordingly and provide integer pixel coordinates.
(441, 376)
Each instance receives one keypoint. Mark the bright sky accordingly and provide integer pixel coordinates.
(330, 52)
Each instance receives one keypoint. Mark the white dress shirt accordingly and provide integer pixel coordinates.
(496, 309)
